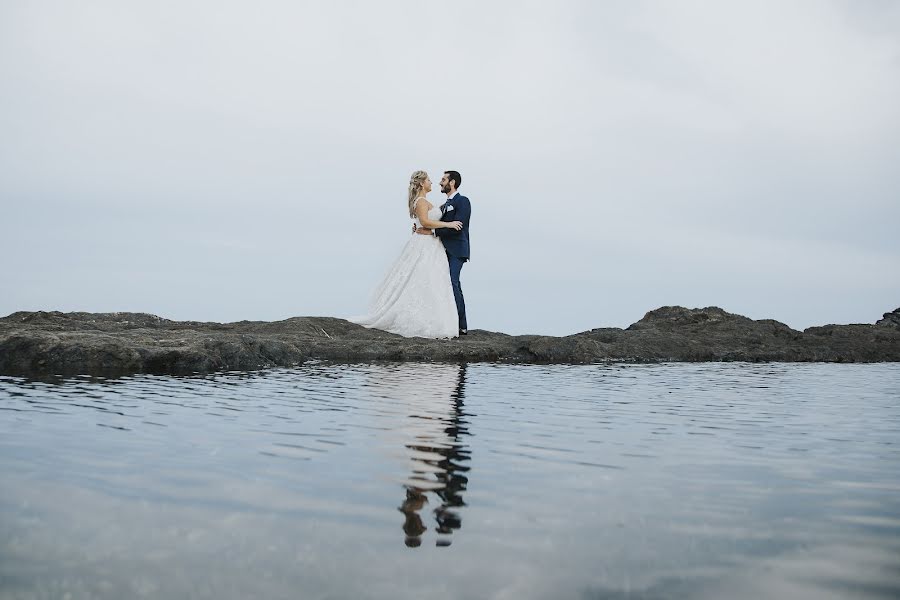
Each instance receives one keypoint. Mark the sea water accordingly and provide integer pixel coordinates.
(455, 481)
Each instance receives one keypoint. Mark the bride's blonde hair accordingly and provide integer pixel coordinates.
(416, 180)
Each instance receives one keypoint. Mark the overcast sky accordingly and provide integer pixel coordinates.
(226, 161)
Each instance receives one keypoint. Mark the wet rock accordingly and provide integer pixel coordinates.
(41, 343)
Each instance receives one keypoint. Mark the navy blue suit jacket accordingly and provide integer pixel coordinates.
(456, 243)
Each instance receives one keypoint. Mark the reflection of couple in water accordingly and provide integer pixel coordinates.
(438, 448)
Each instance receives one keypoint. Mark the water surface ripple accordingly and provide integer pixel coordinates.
(455, 481)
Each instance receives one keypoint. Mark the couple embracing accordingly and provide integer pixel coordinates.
(421, 295)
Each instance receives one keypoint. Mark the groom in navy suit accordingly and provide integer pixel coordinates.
(456, 243)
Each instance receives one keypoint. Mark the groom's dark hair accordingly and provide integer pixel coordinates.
(455, 177)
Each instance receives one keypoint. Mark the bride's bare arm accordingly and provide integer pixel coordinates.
(422, 213)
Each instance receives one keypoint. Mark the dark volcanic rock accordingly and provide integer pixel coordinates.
(890, 319)
(37, 343)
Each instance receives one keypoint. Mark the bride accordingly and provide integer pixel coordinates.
(415, 299)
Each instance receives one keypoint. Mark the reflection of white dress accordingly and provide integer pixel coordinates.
(415, 299)
(415, 418)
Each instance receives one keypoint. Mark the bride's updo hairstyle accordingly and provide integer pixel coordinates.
(415, 186)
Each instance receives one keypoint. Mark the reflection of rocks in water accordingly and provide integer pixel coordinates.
(438, 451)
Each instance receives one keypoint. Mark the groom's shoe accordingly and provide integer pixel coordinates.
(463, 332)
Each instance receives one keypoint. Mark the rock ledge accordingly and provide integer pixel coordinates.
(44, 343)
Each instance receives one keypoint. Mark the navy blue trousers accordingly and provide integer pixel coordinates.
(456, 265)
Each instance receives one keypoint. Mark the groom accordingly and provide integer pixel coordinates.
(456, 243)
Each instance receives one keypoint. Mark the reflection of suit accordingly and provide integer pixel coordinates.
(434, 430)
(456, 243)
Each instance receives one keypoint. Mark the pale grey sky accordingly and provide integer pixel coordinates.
(226, 161)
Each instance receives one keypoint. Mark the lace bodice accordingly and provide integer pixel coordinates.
(434, 214)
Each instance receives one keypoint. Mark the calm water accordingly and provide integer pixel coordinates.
(447, 481)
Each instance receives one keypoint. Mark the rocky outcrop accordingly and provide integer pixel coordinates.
(36, 343)
(890, 319)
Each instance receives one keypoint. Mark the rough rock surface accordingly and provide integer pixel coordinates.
(43, 343)
(890, 319)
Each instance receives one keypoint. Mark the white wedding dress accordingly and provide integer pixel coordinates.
(415, 299)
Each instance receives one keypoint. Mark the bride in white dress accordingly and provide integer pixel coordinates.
(415, 299)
